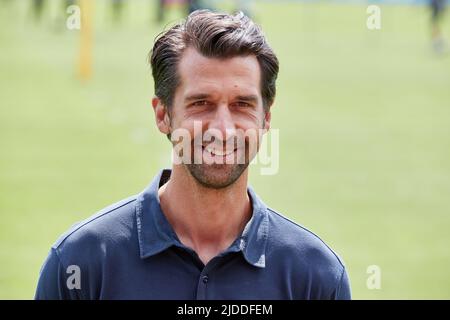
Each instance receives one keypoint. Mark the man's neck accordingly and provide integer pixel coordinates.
(205, 219)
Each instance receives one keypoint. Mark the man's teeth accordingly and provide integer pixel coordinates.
(218, 152)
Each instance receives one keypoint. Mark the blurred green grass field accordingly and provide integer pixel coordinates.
(364, 119)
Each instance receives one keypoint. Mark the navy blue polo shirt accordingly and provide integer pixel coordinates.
(130, 251)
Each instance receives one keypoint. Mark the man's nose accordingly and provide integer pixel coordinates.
(223, 122)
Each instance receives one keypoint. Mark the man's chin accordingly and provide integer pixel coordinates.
(216, 176)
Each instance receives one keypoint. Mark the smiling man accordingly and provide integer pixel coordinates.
(198, 231)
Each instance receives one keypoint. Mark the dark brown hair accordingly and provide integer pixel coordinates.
(213, 35)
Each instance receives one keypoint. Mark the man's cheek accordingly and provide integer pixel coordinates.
(181, 140)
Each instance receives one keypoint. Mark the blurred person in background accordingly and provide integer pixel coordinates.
(160, 10)
(198, 5)
(58, 21)
(191, 6)
(38, 6)
(117, 8)
(437, 12)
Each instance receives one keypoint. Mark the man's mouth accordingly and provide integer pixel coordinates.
(220, 152)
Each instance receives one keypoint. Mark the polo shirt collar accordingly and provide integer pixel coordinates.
(155, 233)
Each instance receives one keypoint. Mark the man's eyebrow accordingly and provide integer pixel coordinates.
(202, 96)
(197, 96)
(248, 98)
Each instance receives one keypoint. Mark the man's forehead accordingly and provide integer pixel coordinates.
(195, 66)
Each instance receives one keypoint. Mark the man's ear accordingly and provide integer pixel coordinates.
(161, 115)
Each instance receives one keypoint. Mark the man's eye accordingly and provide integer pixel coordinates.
(242, 104)
(200, 103)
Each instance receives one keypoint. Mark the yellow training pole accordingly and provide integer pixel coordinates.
(86, 35)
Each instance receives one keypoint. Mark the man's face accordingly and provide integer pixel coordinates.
(222, 98)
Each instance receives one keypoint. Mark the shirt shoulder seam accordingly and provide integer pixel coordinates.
(310, 232)
(94, 217)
